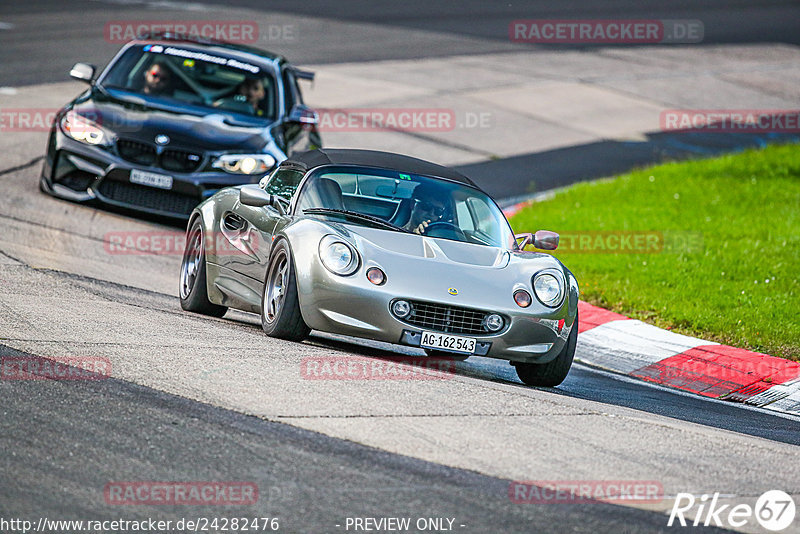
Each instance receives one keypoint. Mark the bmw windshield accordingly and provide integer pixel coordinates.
(406, 202)
(165, 73)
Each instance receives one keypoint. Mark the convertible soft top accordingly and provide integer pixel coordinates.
(373, 158)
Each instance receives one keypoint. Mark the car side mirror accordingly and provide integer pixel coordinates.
(303, 114)
(545, 240)
(254, 196)
(83, 72)
(542, 239)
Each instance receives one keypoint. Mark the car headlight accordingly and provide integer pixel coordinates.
(337, 256)
(548, 285)
(244, 163)
(82, 129)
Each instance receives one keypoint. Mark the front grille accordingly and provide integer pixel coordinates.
(136, 152)
(170, 159)
(148, 197)
(444, 318)
(180, 160)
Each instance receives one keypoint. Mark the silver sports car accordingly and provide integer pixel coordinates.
(385, 247)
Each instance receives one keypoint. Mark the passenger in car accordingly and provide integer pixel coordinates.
(253, 92)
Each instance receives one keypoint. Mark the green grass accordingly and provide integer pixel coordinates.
(736, 282)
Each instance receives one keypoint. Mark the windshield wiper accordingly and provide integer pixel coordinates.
(356, 215)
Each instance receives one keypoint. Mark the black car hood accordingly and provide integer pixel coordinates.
(142, 121)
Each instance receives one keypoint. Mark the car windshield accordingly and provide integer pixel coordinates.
(194, 77)
(419, 204)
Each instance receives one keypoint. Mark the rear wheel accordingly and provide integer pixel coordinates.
(552, 373)
(280, 307)
(193, 288)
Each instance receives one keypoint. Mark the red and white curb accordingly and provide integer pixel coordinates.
(617, 343)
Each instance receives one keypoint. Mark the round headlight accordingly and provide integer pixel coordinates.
(337, 256)
(493, 322)
(548, 289)
(401, 308)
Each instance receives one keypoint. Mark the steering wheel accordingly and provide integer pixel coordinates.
(446, 228)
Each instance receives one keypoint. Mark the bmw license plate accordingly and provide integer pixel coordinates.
(435, 340)
(162, 181)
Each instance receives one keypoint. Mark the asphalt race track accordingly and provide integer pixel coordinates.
(192, 398)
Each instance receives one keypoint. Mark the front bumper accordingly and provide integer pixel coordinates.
(84, 173)
(353, 306)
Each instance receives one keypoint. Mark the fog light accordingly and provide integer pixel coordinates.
(493, 322)
(401, 308)
(376, 276)
(522, 298)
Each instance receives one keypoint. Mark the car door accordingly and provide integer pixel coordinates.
(248, 230)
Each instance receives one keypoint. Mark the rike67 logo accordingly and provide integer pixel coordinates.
(774, 510)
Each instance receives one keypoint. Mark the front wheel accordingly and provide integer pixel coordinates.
(552, 373)
(280, 307)
(193, 289)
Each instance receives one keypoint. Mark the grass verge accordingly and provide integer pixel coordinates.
(709, 248)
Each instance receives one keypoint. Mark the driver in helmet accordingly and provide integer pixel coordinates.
(429, 207)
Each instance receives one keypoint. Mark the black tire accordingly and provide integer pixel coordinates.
(441, 354)
(552, 373)
(192, 289)
(280, 307)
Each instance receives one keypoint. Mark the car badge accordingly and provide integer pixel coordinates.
(452, 291)
(162, 139)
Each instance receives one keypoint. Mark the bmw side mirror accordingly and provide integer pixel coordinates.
(83, 72)
(303, 114)
(252, 195)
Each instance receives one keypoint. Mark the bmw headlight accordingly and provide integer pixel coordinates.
(337, 256)
(244, 163)
(82, 129)
(548, 285)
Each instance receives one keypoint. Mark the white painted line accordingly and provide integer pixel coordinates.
(6, 26)
(8, 91)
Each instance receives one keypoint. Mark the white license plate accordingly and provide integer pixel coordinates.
(162, 181)
(434, 340)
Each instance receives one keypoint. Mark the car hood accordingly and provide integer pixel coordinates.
(415, 246)
(142, 121)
